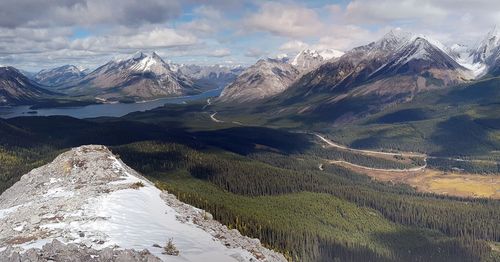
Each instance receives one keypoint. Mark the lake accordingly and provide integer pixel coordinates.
(98, 110)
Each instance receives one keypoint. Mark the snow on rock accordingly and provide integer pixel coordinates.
(89, 200)
(309, 59)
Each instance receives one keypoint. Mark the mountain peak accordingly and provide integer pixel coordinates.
(398, 34)
(138, 55)
(394, 39)
(488, 46)
(494, 32)
(308, 59)
(155, 55)
(66, 74)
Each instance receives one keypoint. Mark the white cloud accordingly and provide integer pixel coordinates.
(35, 13)
(35, 32)
(156, 38)
(223, 52)
(293, 46)
(255, 52)
(284, 20)
(392, 10)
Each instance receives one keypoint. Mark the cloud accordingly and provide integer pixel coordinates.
(43, 33)
(255, 52)
(391, 10)
(209, 21)
(284, 20)
(223, 52)
(34, 13)
(452, 20)
(293, 46)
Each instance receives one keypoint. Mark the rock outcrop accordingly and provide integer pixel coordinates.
(90, 204)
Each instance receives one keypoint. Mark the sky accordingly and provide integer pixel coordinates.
(38, 34)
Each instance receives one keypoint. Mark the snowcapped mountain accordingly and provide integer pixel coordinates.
(87, 205)
(272, 76)
(141, 76)
(266, 78)
(421, 55)
(60, 75)
(369, 78)
(486, 55)
(16, 88)
(328, 54)
(309, 59)
(210, 76)
(397, 53)
(487, 49)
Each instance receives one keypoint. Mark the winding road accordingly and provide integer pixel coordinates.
(331, 143)
(212, 116)
(404, 154)
(363, 151)
(414, 169)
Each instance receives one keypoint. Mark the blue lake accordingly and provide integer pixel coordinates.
(98, 110)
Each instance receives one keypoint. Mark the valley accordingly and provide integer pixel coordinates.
(389, 151)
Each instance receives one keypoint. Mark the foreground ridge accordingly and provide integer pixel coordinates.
(88, 205)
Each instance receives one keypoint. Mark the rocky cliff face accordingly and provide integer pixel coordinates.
(90, 206)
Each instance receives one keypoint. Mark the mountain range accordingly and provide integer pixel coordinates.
(60, 75)
(269, 77)
(364, 80)
(390, 70)
(139, 77)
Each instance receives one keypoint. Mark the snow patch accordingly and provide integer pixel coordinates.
(6, 211)
(58, 192)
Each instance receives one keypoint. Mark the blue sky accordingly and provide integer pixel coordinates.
(37, 34)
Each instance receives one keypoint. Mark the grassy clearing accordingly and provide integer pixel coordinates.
(439, 182)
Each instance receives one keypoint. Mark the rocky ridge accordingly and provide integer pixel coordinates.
(90, 204)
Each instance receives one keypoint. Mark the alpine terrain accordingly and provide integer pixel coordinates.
(87, 205)
(285, 130)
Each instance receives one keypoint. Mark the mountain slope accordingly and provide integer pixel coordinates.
(60, 75)
(139, 77)
(268, 77)
(88, 197)
(15, 88)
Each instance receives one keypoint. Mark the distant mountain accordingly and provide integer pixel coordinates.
(272, 76)
(141, 76)
(487, 52)
(364, 80)
(16, 88)
(60, 75)
(210, 77)
(266, 78)
(418, 62)
(309, 59)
